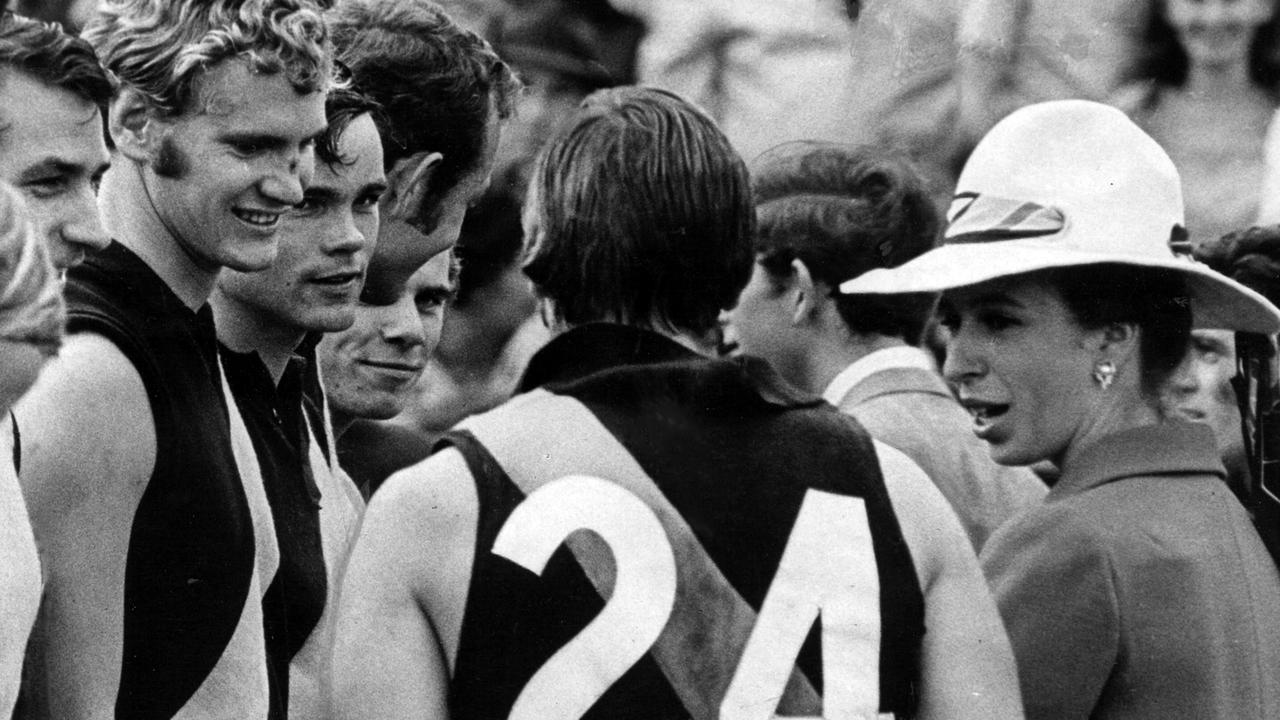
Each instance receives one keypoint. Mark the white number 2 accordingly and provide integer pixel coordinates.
(644, 590)
(828, 568)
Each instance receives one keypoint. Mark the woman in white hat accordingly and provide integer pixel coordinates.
(1139, 589)
(31, 322)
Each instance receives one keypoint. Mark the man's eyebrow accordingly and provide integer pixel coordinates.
(320, 192)
(438, 293)
(56, 165)
(374, 187)
(265, 140)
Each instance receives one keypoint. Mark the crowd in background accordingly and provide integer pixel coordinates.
(271, 418)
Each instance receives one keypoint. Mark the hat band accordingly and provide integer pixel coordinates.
(977, 218)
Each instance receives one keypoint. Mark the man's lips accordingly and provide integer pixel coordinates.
(337, 279)
(262, 219)
(395, 366)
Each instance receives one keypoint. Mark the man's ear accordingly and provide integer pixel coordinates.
(408, 183)
(135, 127)
(803, 292)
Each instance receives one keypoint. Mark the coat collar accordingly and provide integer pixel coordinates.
(1170, 448)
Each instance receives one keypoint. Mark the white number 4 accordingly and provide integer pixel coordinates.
(828, 568)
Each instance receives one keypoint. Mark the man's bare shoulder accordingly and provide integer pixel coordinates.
(87, 416)
(435, 499)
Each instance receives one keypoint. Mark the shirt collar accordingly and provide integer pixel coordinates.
(1170, 448)
(904, 356)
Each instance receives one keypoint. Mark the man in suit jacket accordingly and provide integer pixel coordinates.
(829, 213)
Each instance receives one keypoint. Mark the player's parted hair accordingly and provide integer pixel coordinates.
(437, 83)
(843, 210)
(642, 214)
(49, 54)
(160, 47)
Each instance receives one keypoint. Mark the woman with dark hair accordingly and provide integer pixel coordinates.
(1213, 72)
(1140, 588)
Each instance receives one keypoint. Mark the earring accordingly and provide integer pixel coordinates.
(1103, 373)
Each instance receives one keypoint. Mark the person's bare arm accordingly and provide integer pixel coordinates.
(88, 450)
(403, 594)
(967, 668)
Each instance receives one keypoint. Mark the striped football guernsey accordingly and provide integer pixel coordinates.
(730, 461)
(201, 548)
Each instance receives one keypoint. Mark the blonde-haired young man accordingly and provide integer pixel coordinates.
(145, 495)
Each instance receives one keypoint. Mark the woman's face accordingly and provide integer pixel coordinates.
(1217, 32)
(1022, 366)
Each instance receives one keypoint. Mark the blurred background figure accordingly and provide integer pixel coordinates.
(878, 72)
(31, 325)
(1210, 77)
(1017, 52)
(767, 71)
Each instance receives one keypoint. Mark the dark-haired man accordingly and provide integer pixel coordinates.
(829, 213)
(268, 323)
(728, 511)
(52, 94)
(444, 92)
(153, 524)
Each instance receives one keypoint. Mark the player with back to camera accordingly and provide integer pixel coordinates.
(726, 508)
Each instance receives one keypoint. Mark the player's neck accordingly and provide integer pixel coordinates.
(244, 329)
(131, 220)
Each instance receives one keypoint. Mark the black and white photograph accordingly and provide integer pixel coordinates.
(639, 359)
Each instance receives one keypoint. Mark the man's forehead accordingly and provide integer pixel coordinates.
(42, 123)
(235, 95)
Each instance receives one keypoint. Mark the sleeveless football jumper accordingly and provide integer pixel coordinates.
(725, 453)
(191, 595)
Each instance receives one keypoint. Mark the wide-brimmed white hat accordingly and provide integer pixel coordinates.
(1067, 183)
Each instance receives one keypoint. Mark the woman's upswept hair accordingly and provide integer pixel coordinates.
(642, 214)
(160, 47)
(1165, 61)
(1158, 301)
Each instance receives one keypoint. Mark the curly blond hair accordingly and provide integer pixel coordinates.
(160, 47)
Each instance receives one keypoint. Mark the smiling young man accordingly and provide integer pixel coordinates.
(52, 94)
(370, 371)
(268, 324)
(145, 497)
